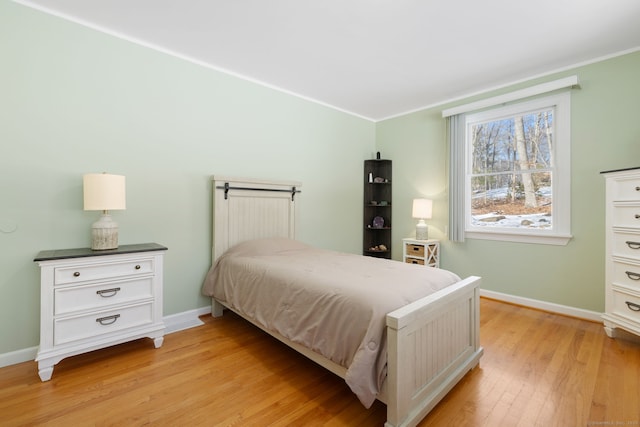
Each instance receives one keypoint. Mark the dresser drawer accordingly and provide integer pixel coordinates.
(415, 250)
(626, 245)
(626, 274)
(626, 216)
(101, 295)
(103, 270)
(627, 306)
(414, 261)
(68, 329)
(626, 189)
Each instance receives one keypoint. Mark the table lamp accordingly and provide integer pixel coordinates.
(422, 210)
(104, 192)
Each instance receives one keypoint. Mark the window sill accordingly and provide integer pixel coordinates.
(547, 239)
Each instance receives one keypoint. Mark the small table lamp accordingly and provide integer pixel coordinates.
(422, 209)
(104, 192)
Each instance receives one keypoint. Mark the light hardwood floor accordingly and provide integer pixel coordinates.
(539, 369)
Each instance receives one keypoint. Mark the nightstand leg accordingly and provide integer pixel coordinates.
(610, 330)
(45, 372)
(157, 342)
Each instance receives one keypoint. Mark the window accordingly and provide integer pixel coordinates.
(517, 172)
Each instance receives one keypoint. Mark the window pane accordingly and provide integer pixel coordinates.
(514, 200)
(517, 143)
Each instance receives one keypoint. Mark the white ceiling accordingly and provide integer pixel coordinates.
(373, 58)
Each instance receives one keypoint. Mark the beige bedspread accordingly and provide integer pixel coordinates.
(333, 303)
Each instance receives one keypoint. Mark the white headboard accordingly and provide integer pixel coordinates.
(247, 208)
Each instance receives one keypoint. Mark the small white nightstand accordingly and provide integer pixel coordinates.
(423, 252)
(95, 299)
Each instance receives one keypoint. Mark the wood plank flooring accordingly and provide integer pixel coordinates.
(539, 369)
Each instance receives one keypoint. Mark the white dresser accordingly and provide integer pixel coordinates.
(95, 299)
(622, 274)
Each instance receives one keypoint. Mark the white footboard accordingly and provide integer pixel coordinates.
(432, 344)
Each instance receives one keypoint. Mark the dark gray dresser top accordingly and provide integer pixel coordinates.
(620, 170)
(87, 252)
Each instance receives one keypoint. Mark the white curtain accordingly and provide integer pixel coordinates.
(456, 177)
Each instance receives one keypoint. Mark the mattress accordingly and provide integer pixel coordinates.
(330, 302)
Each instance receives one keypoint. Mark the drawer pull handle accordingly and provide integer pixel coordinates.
(633, 245)
(637, 216)
(106, 293)
(633, 306)
(109, 320)
(76, 274)
(633, 276)
(138, 267)
(637, 188)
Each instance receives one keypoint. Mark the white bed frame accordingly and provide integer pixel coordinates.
(431, 343)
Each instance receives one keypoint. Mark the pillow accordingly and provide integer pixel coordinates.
(265, 246)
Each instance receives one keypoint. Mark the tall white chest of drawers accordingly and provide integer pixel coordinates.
(95, 299)
(622, 272)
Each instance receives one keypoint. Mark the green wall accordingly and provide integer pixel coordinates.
(605, 134)
(74, 101)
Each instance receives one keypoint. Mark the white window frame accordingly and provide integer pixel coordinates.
(560, 231)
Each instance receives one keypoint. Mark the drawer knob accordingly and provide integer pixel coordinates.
(76, 274)
(637, 188)
(633, 306)
(109, 320)
(633, 276)
(107, 293)
(637, 216)
(138, 267)
(633, 245)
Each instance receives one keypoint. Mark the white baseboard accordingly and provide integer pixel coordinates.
(566, 310)
(18, 356)
(185, 320)
(173, 323)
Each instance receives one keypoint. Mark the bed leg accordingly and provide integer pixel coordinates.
(216, 308)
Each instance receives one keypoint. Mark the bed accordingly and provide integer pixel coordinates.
(408, 354)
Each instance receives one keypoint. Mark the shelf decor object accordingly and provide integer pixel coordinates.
(422, 209)
(104, 192)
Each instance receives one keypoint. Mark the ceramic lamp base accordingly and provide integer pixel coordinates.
(422, 232)
(104, 234)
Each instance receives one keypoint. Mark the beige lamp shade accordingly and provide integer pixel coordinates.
(104, 192)
(422, 208)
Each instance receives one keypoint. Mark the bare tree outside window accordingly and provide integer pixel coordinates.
(511, 171)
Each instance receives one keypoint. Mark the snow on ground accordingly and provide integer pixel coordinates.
(537, 220)
(513, 221)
